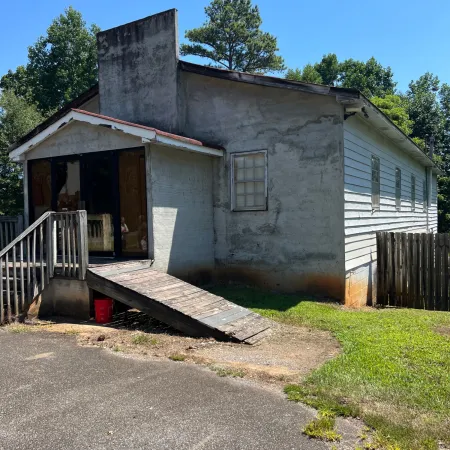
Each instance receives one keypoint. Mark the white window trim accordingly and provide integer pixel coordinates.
(398, 200)
(233, 193)
(376, 207)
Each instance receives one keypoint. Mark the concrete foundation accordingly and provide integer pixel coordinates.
(65, 297)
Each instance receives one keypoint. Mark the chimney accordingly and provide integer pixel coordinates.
(138, 71)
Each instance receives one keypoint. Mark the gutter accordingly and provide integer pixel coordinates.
(367, 111)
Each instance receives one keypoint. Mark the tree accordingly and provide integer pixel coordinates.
(370, 77)
(17, 117)
(329, 69)
(231, 38)
(61, 65)
(395, 107)
(308, 75)
(425, 110)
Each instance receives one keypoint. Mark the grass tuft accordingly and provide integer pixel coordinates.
(228, 372)
(19, 328)
(117, 348)
(177, 357)
(143, 339)
(72, 332)
(323, 427)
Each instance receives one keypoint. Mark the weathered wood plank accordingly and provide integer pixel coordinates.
(404, 270)
(82, 242)
(16, 296)
(425, 269)
(224, 317)
(446, 306)
(380, 270)
(138, 275)
(432, 267)
(29, 299)
(215, 309)
(114, 271)
(259, 336)
(2, 304)
(8, 293)
(417, 276)
(22, 281)
(41, 254)
(195, 308)
(177, 297)
(152, 307)
(438, 273)
(398, 273)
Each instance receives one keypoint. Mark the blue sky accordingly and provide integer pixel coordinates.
(412, 36)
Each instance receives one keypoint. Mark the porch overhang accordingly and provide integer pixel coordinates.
(146, 134)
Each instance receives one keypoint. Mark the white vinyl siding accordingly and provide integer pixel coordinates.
(413, 193)
(361, 220)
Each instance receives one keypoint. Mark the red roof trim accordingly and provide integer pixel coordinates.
(159, 132)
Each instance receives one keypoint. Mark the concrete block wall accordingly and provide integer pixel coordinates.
(298, 243)
(182, 212)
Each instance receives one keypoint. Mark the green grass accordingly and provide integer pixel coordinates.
(323, 427)
(143, 339)
(19, 328)
(228, 372)
(394, 370)
(177, 357)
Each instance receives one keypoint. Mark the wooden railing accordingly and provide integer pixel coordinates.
(56, 244)
(10, 228)
(413, 270)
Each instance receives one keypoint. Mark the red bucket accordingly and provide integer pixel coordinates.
(103, 310)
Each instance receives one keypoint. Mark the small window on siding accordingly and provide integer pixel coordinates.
(425, 195)
(413, 193)
(249, 181)
(398, 188)
(375, 183)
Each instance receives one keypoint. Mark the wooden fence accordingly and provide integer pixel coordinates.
(413, 270)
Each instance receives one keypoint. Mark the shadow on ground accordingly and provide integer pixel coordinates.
(249, 297)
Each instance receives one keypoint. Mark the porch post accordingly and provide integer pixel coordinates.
(26, 197)
(148, 188)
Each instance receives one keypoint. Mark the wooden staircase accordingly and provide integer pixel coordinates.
(185, 307)
(56, 246)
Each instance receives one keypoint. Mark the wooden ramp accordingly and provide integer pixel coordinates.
(181, 305)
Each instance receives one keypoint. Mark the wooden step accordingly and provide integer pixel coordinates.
(181, 305)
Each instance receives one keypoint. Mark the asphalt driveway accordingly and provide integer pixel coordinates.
(58, 395)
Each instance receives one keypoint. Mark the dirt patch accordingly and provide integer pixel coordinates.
(286, 356)
(444, 330)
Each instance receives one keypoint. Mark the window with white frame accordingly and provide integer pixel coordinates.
(398, 188)
(413, 193)
(375, 183)
(249, 181)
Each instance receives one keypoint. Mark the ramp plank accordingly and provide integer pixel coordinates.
(181, 305)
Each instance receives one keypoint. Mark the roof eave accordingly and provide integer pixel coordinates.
(370, 113)
(146, 135)
(264, 80)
